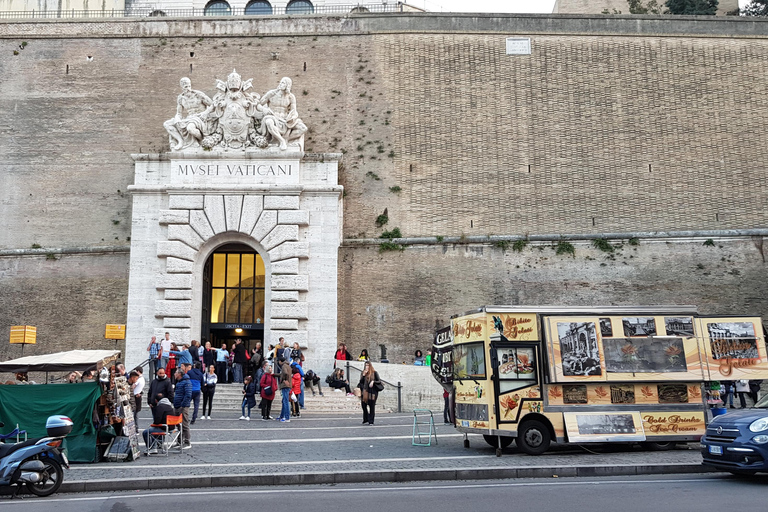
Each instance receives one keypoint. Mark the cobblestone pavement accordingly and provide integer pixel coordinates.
(324, 442)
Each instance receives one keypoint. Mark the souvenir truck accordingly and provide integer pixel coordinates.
(539, 375)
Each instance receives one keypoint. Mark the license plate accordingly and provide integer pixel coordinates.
(715, 450)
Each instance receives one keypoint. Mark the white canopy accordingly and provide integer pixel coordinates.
(79, 360)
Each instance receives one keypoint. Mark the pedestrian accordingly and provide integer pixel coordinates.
(754, 390)
(337, 381)
(364, 355)
(165, 351)
(184, 355)
(194, 351)
(249, 397)
(296, 353)
(135, 382)
(159, 417)
(121, 370)
(369, 385)
(159, 388)
(312, 380)
(221, 363)
(230, 363)
(209, 389)
(728, 395)
(196, 378)
(257, 360)
(171, 365)
(447, 408)
(418, 358)
(342, 354)
(295, 390)
(239, 360)
(268, 385)
(209, 355)
(181, 400)
(300, 395)
(286, 382)
(742, 388)
(155, 348)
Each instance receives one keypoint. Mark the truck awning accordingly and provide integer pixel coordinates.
(73, 360)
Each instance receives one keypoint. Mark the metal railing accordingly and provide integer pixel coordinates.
(397, 386)
(147, 12)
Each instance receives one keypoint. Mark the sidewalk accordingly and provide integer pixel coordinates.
(333, 448)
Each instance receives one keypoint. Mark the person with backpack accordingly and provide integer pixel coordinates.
(249, 397)
(268, 388)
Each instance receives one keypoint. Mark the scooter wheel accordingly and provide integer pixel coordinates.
(52, 478)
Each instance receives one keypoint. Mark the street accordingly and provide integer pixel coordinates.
(629, 494)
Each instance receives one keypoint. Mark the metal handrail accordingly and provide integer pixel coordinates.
(147, 12)
(398, 386)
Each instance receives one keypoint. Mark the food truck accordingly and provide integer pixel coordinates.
(539, 375)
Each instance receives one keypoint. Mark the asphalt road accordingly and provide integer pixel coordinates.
(692, 493)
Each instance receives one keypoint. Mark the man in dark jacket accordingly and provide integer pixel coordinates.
(194, 351)
(181, 401)
(158, 389)
(196, 378)
(159, 416)
(239, 360)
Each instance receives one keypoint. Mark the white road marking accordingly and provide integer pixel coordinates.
(276, 463)
(345, 440)
(367, 489)
(361, 427)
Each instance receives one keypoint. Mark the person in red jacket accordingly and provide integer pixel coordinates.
(295, 392)
(268, 389)
(342, 354)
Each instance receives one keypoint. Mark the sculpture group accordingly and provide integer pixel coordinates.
(236, 117)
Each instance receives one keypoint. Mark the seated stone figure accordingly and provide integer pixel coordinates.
(281, 120)
(189, 126)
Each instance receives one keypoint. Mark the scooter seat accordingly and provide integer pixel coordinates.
(7, 449)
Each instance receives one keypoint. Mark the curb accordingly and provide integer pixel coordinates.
(397, 475)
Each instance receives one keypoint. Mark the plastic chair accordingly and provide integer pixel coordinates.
(417, 424)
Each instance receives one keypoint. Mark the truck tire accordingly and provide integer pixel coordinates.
(494, 442)
(659, 447)
(533, 437)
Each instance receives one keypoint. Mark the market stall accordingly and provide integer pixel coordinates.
(86, 403)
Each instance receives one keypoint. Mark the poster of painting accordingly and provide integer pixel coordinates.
(644, 355)
(605, 424)
(673, 393)
(678, 326)
(516, 363)
(606, 329)
(574, 394)
(578, 348)
(639, 326)
(622, 394)
(735, 340)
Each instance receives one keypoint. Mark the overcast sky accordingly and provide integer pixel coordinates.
(517, 6)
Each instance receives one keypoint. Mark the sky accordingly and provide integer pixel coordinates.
(516, 6)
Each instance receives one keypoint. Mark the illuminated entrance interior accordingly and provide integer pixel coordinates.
(233, 298)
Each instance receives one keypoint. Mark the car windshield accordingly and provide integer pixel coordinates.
(762, 403)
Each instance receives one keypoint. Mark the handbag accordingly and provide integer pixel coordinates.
(293, 397)
(267, 390)
(378, 386)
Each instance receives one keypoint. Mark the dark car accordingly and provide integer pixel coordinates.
(737, 442)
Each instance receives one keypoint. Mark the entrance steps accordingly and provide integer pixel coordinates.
(229, 397)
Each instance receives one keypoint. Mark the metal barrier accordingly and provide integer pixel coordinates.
(398, 386)
(194, 13)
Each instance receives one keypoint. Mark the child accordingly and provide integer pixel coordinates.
(295, 390)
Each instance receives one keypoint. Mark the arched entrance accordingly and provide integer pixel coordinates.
(233, 296)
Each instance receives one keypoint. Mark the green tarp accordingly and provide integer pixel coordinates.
(30, 405)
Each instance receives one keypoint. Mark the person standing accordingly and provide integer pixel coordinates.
(165, 353)
(296, 364)
(369, 385)
(754, 390)
(221, 363)
(154, 349)
(137, 387)
(209, 388)
(742, 388)
(209, 355)
(295, 389)
(158, 389)
(196, 378)
(286, 382)
(181, 401)
(239, 360)
(728, 396)
(268, 389)
(447, 408)
(249, 398)
(184, 356)
(194, 351)
(342, 354)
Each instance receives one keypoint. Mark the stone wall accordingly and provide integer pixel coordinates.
(612, 124)
(620, 6)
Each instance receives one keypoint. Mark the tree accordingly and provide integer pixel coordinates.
(707, 7)
(756, 8)
(650, 7)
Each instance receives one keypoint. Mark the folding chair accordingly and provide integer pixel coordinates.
(156, 440)
(173, 437)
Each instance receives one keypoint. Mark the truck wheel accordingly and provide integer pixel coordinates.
(493, 441)
(659, 447)
(533, 437)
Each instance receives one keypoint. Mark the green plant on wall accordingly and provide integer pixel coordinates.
(501, 244)
(519, 245)
(565, 248)
(603, 245)
(390, 246)
(382, 219)
(393, 233)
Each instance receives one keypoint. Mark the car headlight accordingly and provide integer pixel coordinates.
(761, 439)
(759, 425)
